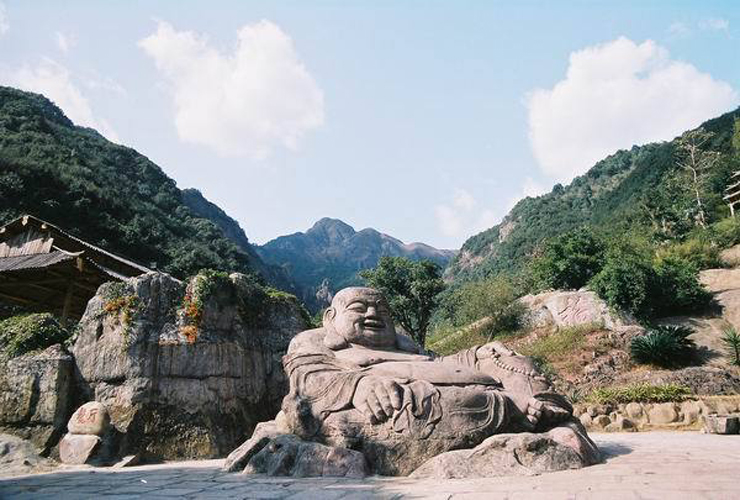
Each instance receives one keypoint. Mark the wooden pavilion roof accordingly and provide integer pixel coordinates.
(45, 268)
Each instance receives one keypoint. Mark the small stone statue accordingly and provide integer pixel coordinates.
(357, 384)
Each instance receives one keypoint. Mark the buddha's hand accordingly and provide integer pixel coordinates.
(378, 398)
(534, 412)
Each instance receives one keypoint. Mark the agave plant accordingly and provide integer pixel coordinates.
(731, 339)
(665, 346)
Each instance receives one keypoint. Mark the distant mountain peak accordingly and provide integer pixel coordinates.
(327, 257)
(331, 230)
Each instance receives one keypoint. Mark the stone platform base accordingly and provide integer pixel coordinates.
(275, 453)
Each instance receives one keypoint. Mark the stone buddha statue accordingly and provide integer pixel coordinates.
(357, 383)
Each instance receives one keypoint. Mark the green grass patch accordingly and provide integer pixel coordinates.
(559, 344)
(639, 393)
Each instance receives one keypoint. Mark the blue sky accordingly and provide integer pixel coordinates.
(424, 120)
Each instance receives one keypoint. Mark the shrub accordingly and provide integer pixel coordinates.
(624, 281)
(700, 252)
(639, 393)
(569, 261)
(731, 340)
(676, 288)
(494, 299)
(633, 281)
(30, 332)
(726, 232)
(664, 346)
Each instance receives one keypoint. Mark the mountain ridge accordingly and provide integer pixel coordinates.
(609, 195)
(105, 193)
(328, 256)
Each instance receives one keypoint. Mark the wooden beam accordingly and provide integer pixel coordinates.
(17, 299)
(67, 302)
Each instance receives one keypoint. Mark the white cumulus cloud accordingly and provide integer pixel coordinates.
(616, 95)
(244, 103)
(55, 82)
(461, 217)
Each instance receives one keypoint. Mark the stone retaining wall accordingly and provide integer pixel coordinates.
(685, 415)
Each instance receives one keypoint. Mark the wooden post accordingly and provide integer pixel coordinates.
(67, 301)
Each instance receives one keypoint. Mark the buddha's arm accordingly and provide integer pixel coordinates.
(320, 380)
(466, 357)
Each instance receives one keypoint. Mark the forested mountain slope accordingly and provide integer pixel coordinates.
(104, 193)
(617, 194)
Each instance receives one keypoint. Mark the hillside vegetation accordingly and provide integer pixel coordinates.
(105, 193)
(639, 191)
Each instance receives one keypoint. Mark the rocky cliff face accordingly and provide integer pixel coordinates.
(186, 370)
(327, 257)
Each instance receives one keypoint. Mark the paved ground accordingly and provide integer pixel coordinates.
(650, 465)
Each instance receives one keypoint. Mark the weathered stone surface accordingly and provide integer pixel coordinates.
(718, 424)
(358, 384)
(634, 410)
(35, 396)
(287, 455)
(90, 418)
(515, 454)
(620, 424)
(571, 308)
(78, 449)
(18, 456)
(690, 411)
(262, 435)
(664, 413)
(585, 420)
(602, 421)
(185, 380)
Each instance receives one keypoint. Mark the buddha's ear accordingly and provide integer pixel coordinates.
(332, 339)
(329, 315)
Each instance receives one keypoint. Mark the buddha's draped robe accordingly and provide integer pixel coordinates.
(323, 383)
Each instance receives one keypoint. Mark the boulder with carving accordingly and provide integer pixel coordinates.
(186, 370)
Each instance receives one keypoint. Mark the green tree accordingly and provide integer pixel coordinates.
(412, 289)
(696, 163)
(493, 298)
(569, 261)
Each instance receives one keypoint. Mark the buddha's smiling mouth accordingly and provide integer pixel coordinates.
(373, 324)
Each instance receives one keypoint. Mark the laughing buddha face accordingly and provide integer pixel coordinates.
(361, 316)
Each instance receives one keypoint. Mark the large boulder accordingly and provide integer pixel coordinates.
(571, 308)
(186, 370)
(20, 457)
(35, 396)
(562, 448)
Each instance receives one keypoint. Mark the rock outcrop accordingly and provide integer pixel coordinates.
(186, 371)
(18, 457)
(571, 308)
(35, 396)
(525, 454)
